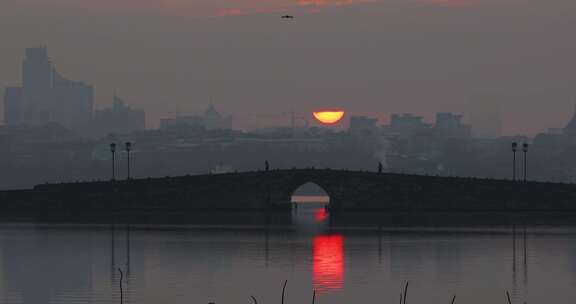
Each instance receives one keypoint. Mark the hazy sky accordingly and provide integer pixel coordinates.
(372, 57)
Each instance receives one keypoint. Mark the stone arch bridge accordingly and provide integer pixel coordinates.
(272, 190)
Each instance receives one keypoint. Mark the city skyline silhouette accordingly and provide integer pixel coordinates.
(479, 58)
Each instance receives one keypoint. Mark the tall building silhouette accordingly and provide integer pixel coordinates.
(47, 97)
(211, 120)
(118, 119)
(13, 97)
(450, 125)
(214, 120)
(407, 125)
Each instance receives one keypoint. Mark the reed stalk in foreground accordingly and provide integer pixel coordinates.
(121, 291)
(284, 290)
(254, 299)
(405, 292)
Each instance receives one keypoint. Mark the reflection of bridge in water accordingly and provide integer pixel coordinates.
(272, 190)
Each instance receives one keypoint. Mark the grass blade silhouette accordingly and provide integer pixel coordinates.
(405, 292)
(284, 290)
(121, 291)
(254, 299)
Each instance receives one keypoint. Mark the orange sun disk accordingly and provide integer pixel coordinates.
(329, 117)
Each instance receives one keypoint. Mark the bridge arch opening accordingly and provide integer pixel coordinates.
(310, 193)
(309, 203)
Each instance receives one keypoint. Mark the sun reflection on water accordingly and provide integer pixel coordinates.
(328, 263)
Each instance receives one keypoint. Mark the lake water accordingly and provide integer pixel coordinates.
(44, 263)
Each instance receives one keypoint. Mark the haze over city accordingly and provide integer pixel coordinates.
(513, 58)
(287, 151)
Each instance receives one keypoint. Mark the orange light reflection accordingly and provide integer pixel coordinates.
(328, 263)
(321, 215)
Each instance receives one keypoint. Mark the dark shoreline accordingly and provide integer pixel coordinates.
(272, 220)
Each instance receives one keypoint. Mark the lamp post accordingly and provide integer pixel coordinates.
(525, 150)
(128, 149)
(113, 150)
(514, 149)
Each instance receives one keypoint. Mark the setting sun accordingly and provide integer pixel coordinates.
(329, 117)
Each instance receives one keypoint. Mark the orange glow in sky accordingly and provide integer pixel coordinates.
(328, 263)
(329, 117)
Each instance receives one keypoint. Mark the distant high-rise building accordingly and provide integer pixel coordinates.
(119, 119)
(37, 70)
(214, 120)
(450, 125)
(362, 124)
(194, 121)
(13, 106)
(406, 125)
(211, 120)
(46, 96)
(72, 102)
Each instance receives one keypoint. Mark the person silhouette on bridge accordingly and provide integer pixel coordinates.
(379, 167)
(267, 165)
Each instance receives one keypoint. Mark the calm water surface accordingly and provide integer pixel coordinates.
(57, 263)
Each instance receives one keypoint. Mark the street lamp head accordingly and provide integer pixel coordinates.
(113, 147)
(128, 146)
(525, 147)
(514, 146)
